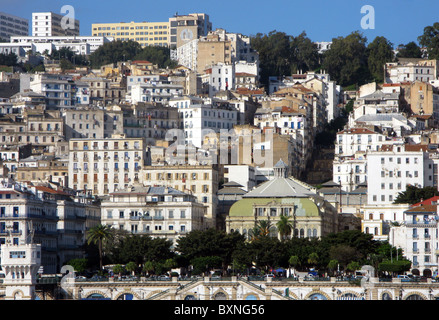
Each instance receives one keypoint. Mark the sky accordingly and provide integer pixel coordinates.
(400, 21)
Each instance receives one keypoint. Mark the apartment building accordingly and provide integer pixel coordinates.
(149, 121)
(42, 168)
(157, 211)
(88, 121)
(395, 167)
(11, 25)
(53, 24)
(102, 166)
(161, 91)
(417, 236)
(145, 33)
(78, 44)
(198, 180)
(24, 216)
(410, 69)
(57, 89)
(421, 99)
(105, 90)
(198, 120)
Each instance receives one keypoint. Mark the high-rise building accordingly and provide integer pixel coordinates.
(52, 24)
(12, 26)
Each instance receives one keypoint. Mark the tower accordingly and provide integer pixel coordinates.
(20, 263)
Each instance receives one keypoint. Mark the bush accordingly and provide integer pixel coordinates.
(395, 266)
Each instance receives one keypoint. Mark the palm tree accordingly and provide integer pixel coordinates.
(313, 258)
(98, 235)
(285, 227)
(294, 261)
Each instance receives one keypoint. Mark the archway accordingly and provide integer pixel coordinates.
(416, 272)
(386, 296)
(317, 296)
(190, 297)
(414, 297)
(220, 296)
(427, 273)
(126, 296)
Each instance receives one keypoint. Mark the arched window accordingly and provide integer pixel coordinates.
(220, 296)
(376, 231)
(367, 230)
(302, 233)
(314, 233)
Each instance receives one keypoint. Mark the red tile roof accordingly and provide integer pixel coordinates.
(426, 202)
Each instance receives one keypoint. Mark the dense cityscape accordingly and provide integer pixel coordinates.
(176, 160)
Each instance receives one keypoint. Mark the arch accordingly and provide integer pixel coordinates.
(96, 294)
(18, 294)
(386, 295)
(125, 294)
(251, 296)
(190, 297)
(348, 295)
(415, 296)
(317, 295)
(416, 272)
(427, 273)
(153, 293)
(220, 295)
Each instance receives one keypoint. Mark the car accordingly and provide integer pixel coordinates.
(81, 278)
(163, 277)
(270, 275)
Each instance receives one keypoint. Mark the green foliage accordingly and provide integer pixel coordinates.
(281, 54)
(10, 59)
(346, 60)
(207, 243)
(414, 194)
(131, 266)
(116, 51)
(352, 266)
(430, 40)
(118, 269)
(285, 226)
(204, 264)
(397, 266)
(79, 265)
(379, 52)
(329, 133)
(410, 50)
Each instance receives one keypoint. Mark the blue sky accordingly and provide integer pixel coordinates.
(400, 21)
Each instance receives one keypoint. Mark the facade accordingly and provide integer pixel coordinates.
(417, 235)
(185, 28)
(395, 167)
(153, 210)
(102, 166)
(11, 25)
(88, 121)
(52, 24)
(199, 180)
(311, 215)
(145, 33)
(411, 70)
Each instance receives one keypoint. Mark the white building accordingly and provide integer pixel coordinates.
(422, 70)
(52, 24)
(241, 174)
(157, 211)
(58, 89)
(394, 167)
(11, 25)
(78, 44)
(154, 91)
(199, 120)
(102, 166)
(418, 237)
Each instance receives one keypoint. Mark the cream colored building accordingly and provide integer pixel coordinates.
(145, 33)
(201, 181)
(102, 166)
(157, 211)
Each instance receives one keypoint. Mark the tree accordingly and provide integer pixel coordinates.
(313, 259)
(304, 54)
(430, 40)
(131, 267)
(118, 269)
(414, 194)
(98, 235)
(352, 266)
(10, 59)
(332, 265)
(409, 50)
(343, 254)
(379, 51)
(79, 265)
(294, 261)
(148, 267)
(346, 60)
(284, 226)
